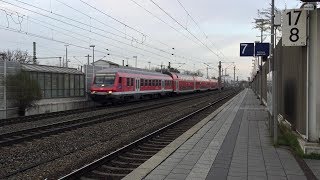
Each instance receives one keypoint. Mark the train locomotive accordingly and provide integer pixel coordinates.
(119, 84)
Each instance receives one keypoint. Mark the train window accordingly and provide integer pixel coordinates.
(153, 82)
(128, 81)
(131, 81)
(142, 82)
(120, 80)
(149, 82)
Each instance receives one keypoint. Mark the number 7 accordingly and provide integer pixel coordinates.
(244, 49)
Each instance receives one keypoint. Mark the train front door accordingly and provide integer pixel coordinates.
(137, 85)
(177, 85)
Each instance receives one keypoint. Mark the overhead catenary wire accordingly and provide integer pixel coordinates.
(87, 30)
(82, 24)
(198, 26)
(184, 28)
(122, 42)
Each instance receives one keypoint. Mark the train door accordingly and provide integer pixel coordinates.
(137, 84)
(177, 85)
(162, 84)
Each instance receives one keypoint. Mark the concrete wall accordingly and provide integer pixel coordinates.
(61, 104)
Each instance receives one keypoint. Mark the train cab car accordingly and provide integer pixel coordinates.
(182, 83)
(112, 84)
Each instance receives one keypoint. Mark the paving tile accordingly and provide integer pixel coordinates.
(176, 176)
(160, 172)
(257, 178)
(237, 178)
(180, 171)
(155, 177)
(271, 177)
(296, 177)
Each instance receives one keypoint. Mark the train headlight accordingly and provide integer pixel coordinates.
(93, 92)
(110, 92)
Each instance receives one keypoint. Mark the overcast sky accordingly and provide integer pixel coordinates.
(129, 28)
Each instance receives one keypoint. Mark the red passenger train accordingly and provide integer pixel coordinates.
(116, 84)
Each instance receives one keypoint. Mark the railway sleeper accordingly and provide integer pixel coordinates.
(130, 153)
(166, 138)
(132, 159)
(115, 169)
(148, 148)
(155, 141)
(154, 145)
(144, 151)
(105, 175)
(124, 164)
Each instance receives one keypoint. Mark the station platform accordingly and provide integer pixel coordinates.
(231, 143)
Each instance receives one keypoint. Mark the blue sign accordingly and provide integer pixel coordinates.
(262, 49)
(246, 49)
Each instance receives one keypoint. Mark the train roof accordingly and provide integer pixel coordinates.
(130, 71)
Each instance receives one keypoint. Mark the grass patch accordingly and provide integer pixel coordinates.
(287, 138)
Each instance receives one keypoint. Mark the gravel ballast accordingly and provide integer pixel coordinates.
(58, 154)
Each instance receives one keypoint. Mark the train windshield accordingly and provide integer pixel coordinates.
(105, 79)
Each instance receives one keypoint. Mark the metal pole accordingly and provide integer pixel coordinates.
(93, 59)
(261, 79)
(219, 79)
(260, 68)
(66, 55)
(88, 56)
(234, 73)
(207, 72)
(136, 57)
(34, 53)
(4, 85)
(60, 61)
(274, 115)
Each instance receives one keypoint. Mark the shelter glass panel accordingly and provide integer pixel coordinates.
(71, 85)
(66, 85)
(47, 91)
(60, 85)
(54, 85)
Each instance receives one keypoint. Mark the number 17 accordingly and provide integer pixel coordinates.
(297, 20)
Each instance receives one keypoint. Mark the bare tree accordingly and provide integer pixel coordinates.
(263, 21)
(16, 55)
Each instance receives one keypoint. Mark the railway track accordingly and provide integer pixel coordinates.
(59, 127)
(37, 117)
(121, 162)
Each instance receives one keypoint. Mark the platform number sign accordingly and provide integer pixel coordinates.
(246, 49)
(294, 28)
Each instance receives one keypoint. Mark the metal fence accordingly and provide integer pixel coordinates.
(291, 85)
